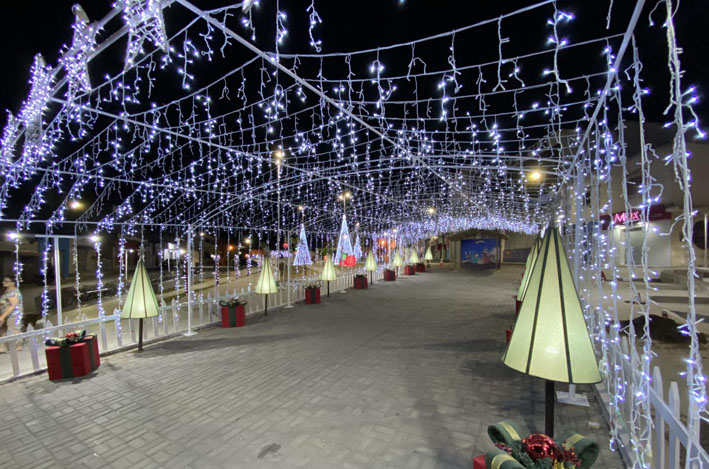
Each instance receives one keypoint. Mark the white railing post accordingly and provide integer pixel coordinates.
(32, 344)
(673, 452)
(131, 330)
(163, 314)
(658, 452)
(102, 334)
(210, 306)
(173, 313)
(118, 330)
(155, 326)
(13, 358)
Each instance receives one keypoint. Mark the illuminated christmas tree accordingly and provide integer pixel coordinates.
(302, 256)
(344, 245)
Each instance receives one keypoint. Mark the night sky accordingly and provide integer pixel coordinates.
(32, 26)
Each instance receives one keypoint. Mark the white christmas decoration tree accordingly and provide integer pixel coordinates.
(302, 257)
(344, 246)
(357, 248)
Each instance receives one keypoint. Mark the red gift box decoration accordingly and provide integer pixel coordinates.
(360, 282)
(479, 462)
(72, 361)
(389, 275)
(312, 295)
(233, 316)
(420, 267)
(409, 270)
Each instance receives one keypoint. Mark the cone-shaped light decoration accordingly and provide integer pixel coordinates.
(141, 301)
(414, 259)
(328, 271)
(528, 268)
(302, 257)
(429, 255)
(550, 339)
(397, 260)
(266, 282)
(371, 264)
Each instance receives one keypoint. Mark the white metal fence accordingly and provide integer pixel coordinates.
(116, 334)
(670, 438)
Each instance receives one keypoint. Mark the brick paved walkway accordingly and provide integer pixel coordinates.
(406, 374)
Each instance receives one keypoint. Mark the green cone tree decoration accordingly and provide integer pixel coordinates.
(140, 302)
(550, 339)
(266, 282)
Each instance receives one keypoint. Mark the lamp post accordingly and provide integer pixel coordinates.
(247, 241)
(278, 156)
(189, 332)
(343, 197)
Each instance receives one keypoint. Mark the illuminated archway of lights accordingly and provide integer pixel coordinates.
(202, 128)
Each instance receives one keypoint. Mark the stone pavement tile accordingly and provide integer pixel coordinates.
(401, 375)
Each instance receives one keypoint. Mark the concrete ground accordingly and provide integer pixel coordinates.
(406, 374)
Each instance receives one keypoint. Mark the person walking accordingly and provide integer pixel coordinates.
(10, 310)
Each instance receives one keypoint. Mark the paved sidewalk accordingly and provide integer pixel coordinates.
(406, 374)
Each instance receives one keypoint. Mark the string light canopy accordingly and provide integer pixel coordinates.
(472, 135)
(512, 133)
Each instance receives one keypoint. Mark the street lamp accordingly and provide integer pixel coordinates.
(75, 205)
(343, 197)
(535, 176)
(247, 241)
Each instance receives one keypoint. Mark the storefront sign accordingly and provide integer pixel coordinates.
(621, 217)
(655, 213)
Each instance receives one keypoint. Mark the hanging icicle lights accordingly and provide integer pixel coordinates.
(494, 121)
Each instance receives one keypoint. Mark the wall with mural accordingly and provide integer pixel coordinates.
(477, 253)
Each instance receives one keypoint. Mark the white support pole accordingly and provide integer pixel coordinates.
(58, 280)
(705, 240)
(288, 266)
(189, 283)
